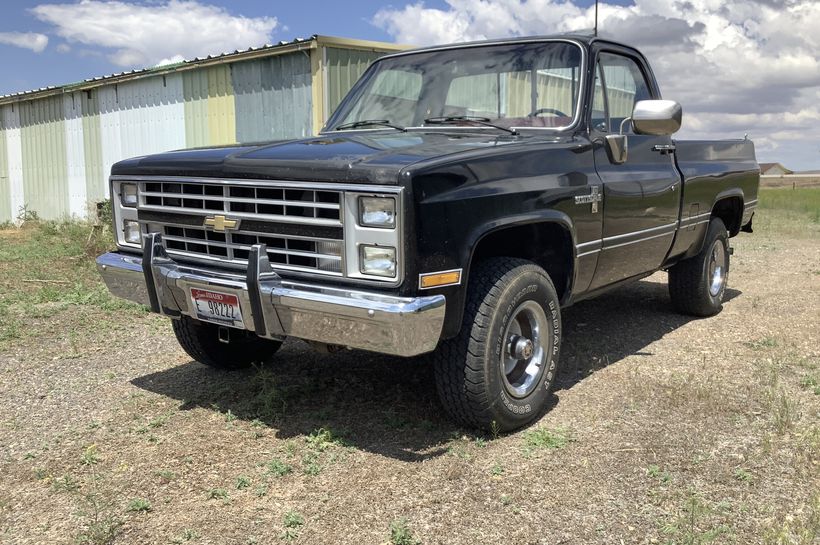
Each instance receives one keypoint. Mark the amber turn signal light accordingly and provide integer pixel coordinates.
(434, 280)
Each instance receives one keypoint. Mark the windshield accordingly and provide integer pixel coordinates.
(525, 85)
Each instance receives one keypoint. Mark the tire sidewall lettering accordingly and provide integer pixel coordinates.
(530, 291)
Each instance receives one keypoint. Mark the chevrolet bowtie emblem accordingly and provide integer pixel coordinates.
(220, 223)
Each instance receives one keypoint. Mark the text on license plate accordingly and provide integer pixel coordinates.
(216, 307)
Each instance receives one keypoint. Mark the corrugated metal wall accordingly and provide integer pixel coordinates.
(11, 124)
(210, 107)
(56, 152)
(273, 97)
(45, 172)
(75, 155)
(5, 183)
(344, 67)
(95, 178)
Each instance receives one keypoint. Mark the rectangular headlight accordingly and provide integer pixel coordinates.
(378, 261)
(132, 232)
(128, 195)
(377, 212)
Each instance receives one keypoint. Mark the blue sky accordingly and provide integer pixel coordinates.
(737, 66)
(24, 69)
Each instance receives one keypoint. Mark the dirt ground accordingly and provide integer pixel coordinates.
(663, 429)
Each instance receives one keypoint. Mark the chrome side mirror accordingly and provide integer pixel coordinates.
(656, 117)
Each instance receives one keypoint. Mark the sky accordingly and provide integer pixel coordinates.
(737, 66)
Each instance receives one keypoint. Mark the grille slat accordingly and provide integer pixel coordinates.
(294, 223)
(328, 206)
(313, 254)
(309, 206)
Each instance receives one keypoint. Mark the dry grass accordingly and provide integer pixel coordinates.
(663, 430)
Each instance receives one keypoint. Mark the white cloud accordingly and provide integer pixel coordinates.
(154, 33)
(737, 66)
(27, 40)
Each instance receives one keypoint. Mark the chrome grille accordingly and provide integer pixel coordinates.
(287, 252)
(301, 227)
(293, 205)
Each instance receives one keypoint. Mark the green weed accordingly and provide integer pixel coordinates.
(400, 533)
(292, 521)
(742, 475)
(544, 438)
(139, 505)
(279, 468)
(656, 472)
(217, 494)
(188, 534)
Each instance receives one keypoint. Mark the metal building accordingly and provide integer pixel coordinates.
(57, 144)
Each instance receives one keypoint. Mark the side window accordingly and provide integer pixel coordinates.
(600, 120)
(625, 85)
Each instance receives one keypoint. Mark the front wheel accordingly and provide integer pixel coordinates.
(697, 284)
(497, 373)
(227, 349)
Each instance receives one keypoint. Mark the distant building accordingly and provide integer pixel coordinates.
(773, 169)
(57, 144)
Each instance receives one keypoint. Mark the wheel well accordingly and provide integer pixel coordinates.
(548, 245)
(730, 210)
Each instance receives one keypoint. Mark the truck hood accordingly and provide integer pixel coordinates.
(372, 157)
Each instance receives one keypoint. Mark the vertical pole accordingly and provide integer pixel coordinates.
(596, 18)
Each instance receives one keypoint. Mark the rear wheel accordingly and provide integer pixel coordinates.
(222, 347)
(497, 373)
(697, 284)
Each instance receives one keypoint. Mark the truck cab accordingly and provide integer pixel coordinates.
(455, 201)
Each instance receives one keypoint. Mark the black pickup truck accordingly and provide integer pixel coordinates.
(459, 197)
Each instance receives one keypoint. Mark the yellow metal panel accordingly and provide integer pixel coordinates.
(221, 106)
(317, 77)
(210, 113)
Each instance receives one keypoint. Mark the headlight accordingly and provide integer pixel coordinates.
(377, 212)
(128, 194)
(132, 232)
(378, 261)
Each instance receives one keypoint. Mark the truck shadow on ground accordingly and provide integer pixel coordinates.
(388, 405)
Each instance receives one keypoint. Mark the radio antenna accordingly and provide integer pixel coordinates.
(596, 18)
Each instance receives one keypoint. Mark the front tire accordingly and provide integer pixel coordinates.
(697, 284)
(200, 340)
(496, 374)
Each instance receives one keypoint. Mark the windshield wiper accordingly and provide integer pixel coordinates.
(444, 119)
(366, 122)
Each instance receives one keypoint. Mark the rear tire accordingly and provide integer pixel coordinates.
(697, 284)
(200, 340)
(497, 373)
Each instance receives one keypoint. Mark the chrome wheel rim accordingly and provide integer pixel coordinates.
(717, 268)
(524, 356)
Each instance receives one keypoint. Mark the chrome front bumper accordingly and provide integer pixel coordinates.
(278, 308)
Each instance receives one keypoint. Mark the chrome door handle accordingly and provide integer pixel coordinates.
(664, 149)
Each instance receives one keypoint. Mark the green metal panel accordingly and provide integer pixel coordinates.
(210, 116)
(273, 98)
(344, 67)
(95, 178)
(45, 173)
(5, 183)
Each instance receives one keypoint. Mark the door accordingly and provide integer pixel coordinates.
(641, 197)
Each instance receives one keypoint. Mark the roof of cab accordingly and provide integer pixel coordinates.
(585, 39)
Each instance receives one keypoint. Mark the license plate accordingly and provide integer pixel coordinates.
(216, 307)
